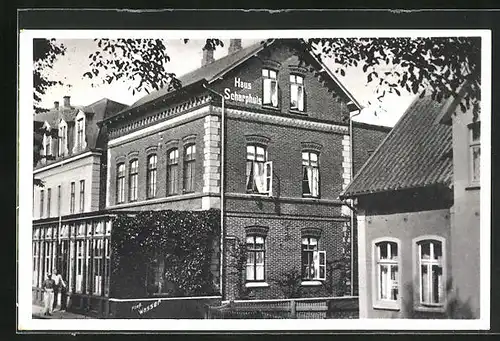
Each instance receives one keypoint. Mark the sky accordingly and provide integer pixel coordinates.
(186, 57)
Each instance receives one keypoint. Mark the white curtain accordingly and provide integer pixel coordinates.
(313, 179)
(259, 177)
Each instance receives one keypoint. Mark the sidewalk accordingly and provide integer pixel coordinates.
(37, 313)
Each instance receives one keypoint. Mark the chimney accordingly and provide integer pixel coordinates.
(66, 101)
(234, 45)
(56, 105)
(208, 55)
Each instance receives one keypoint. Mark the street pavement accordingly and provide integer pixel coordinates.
(37, 313)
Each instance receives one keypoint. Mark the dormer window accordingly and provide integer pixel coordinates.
(47, 145)
(80, 143)
(63, 139)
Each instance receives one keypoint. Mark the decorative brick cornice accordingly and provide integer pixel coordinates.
(258, 139)
(311, 232)
(159, 116)
(120, 159)
(284, 121)
(311, 146)
(256, 230)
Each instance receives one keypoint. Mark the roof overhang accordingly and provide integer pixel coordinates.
(451, 105)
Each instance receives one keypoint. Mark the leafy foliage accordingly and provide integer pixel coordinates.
(140, 61)
(184, 238)
(45, 53)
(441, 64)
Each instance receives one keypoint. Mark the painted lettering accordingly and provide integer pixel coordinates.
(247, 99)
(238, 83)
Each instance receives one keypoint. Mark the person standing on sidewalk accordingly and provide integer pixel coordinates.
(59, 287)
(48, 294)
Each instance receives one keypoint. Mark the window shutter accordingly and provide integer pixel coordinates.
(322, 265)
(268, 173)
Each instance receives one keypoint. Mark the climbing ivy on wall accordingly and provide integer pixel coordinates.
(184, 238)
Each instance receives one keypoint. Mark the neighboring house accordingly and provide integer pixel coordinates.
(73, 172)
(417, 203)
(286, 156)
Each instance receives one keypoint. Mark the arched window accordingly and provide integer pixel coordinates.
(256, 258)
(172, 171)
(151, 176)
(310, 174)
(120, 183)
(386, 272)
(259, 171)
(429, 252)
(189, 168)
(133, 178)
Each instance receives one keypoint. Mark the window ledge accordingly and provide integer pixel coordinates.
(298, 112)
(311, 283)
(256, 285)
(266, 106)
(380, 305)
(430, 309)
(472, 187)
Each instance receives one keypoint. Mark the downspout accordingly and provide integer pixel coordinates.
(222, 187)
(351, 152)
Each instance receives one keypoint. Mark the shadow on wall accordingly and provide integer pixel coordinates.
(455, 308)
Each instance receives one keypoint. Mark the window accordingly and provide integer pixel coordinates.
(189, 167)
(270, 87)
(430, 267)
(49, 198)
(386, 274)
(313, 261)
(72, 199)
(79, 133)
(255, 258)
(310, 174)
(296, 93)
(59, 200)
(475, 152)
(151, 176)
(172, 172)
(120, 183)
(259, 170)
(42, 197)
(132, 183)
(97, 266)
(63, 138)
(48, 146)
(82, 195)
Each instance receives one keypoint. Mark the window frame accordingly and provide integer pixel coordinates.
(294, 81)
(63, 139)
(315, 254)
(151, 176)
(317, 153)
(172, 170)
(267, 170)
(133, 173)
(72, 198)
(42, 202)
(271, 80)
(379, 303)
(79, 132)
(255, 250)
(418, 305)
(473, 144)
(82, 196)
(120, 183)
(189, 160)
(49, 199)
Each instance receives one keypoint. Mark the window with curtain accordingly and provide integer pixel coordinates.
(313, 260)
(310, 174)
(255, 267)
(172, 171)
(151, 176)
(258, 171)
(269, 88)
(120, 183)
(430, 272)
(133, 179)
(189, 167)
(296, 93)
